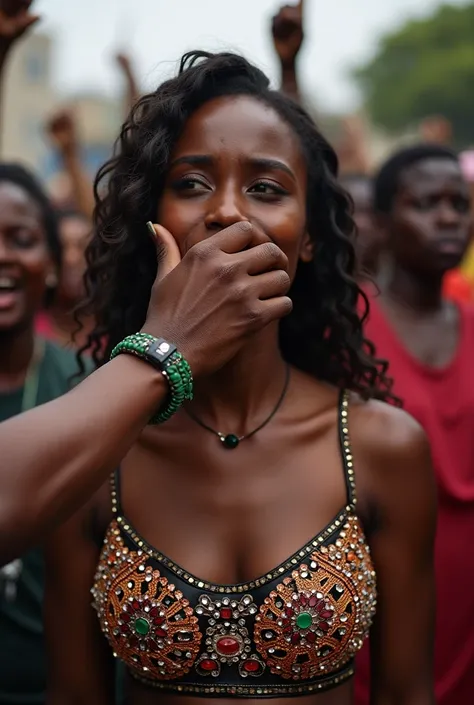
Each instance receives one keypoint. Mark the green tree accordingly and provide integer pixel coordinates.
(424, 68)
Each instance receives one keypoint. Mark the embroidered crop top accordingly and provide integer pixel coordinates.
(293, 631)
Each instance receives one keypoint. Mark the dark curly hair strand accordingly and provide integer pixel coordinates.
(324, 334)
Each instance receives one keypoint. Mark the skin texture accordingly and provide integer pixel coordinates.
(25, 264)
(428, 232)
(230, 517)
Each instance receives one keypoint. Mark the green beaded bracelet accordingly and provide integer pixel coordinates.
(171, 364)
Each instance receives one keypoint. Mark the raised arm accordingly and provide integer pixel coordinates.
(288, 35)
(15, 20)
(54, 457)
(402, 489)
(132, 91)
(63, 133)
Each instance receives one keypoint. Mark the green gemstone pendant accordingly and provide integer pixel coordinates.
(304, 620)
(142, 626)
(230, 441)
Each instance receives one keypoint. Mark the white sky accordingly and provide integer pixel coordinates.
(340, 33)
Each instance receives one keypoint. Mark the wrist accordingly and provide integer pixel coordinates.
(288, 67)
(70, 153)
(145, 381)
(164, 356)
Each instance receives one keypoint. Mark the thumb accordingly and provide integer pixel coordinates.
(169, 255)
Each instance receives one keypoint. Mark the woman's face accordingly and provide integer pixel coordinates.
(237, 160)
(25, 261)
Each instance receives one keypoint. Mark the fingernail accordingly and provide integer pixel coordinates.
(151, 230)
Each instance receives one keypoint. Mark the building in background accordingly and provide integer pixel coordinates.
(30, 98)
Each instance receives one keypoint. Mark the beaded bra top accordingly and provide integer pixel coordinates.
(293, 631)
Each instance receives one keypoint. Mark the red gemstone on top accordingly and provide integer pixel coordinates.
(228, 646)
(251, 666)
(207, 664)
(325, 614)
(136, 605)
(226, 613)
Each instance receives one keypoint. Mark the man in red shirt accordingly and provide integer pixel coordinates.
(423, 206)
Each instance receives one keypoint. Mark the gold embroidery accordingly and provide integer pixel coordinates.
(148, 623)
(315, 622)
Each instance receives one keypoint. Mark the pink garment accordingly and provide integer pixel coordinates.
(44, 326)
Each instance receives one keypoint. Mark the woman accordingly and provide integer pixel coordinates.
(32, 372)
(258, 609)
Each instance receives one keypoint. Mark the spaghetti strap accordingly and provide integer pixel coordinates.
(346, 450)
(115, 492)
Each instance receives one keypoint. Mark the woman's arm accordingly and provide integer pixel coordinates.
(54, 457)
(81, 669)
(401, 483)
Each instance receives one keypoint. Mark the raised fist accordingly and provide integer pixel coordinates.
(288, 33)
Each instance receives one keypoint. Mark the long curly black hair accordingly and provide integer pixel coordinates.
(324, 334)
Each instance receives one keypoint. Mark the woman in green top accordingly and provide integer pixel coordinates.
(32, 372)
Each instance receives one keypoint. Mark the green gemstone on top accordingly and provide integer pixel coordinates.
(142, 626)
(231, 441)
(304, 620)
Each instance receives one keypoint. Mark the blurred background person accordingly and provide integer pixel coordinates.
(32, 372)
(422, 202)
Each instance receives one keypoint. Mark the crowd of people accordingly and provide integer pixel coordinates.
(236, 403)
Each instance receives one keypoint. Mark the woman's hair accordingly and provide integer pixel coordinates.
(324, 333)
(18, 175)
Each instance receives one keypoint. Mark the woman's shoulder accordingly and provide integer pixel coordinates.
(390, 441)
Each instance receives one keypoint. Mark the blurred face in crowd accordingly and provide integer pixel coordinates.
(429, 226)
(369, 238)
(74, 233)
(25, 259)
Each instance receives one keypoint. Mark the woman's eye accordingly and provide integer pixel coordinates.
(267, 188)
(190, 184)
